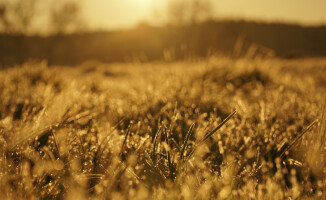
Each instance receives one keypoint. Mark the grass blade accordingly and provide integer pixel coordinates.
(165, 133)
(211, 133)
(155, 139)
(125, 140)
(298, 138)
(176, 144)
(219, 126)
(186, 140)
(106, 141)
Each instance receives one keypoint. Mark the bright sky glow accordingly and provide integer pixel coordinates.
(299, 11)
(112, 14)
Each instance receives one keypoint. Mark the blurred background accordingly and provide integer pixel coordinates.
(70, 32)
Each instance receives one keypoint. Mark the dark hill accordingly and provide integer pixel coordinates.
(146, 43)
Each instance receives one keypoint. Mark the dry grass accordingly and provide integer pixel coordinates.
(164, 131)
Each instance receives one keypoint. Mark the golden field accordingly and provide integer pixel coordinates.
(218, 128)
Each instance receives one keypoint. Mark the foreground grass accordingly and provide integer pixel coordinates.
(226, 129)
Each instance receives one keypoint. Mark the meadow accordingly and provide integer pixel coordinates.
(217, 128)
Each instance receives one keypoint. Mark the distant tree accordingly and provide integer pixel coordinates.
(19, 16)
(200, 10)
(183, 12)
(176, 11)
(3, 18)
(16, 16)
(66, 18)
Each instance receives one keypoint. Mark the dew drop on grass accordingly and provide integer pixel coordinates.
(58, 165)
(225, 192)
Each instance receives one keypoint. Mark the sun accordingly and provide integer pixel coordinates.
(143, 4)
(143, 1)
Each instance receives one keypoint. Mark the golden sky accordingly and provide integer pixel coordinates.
(112, 14)
(117, 14)
(120, 13)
